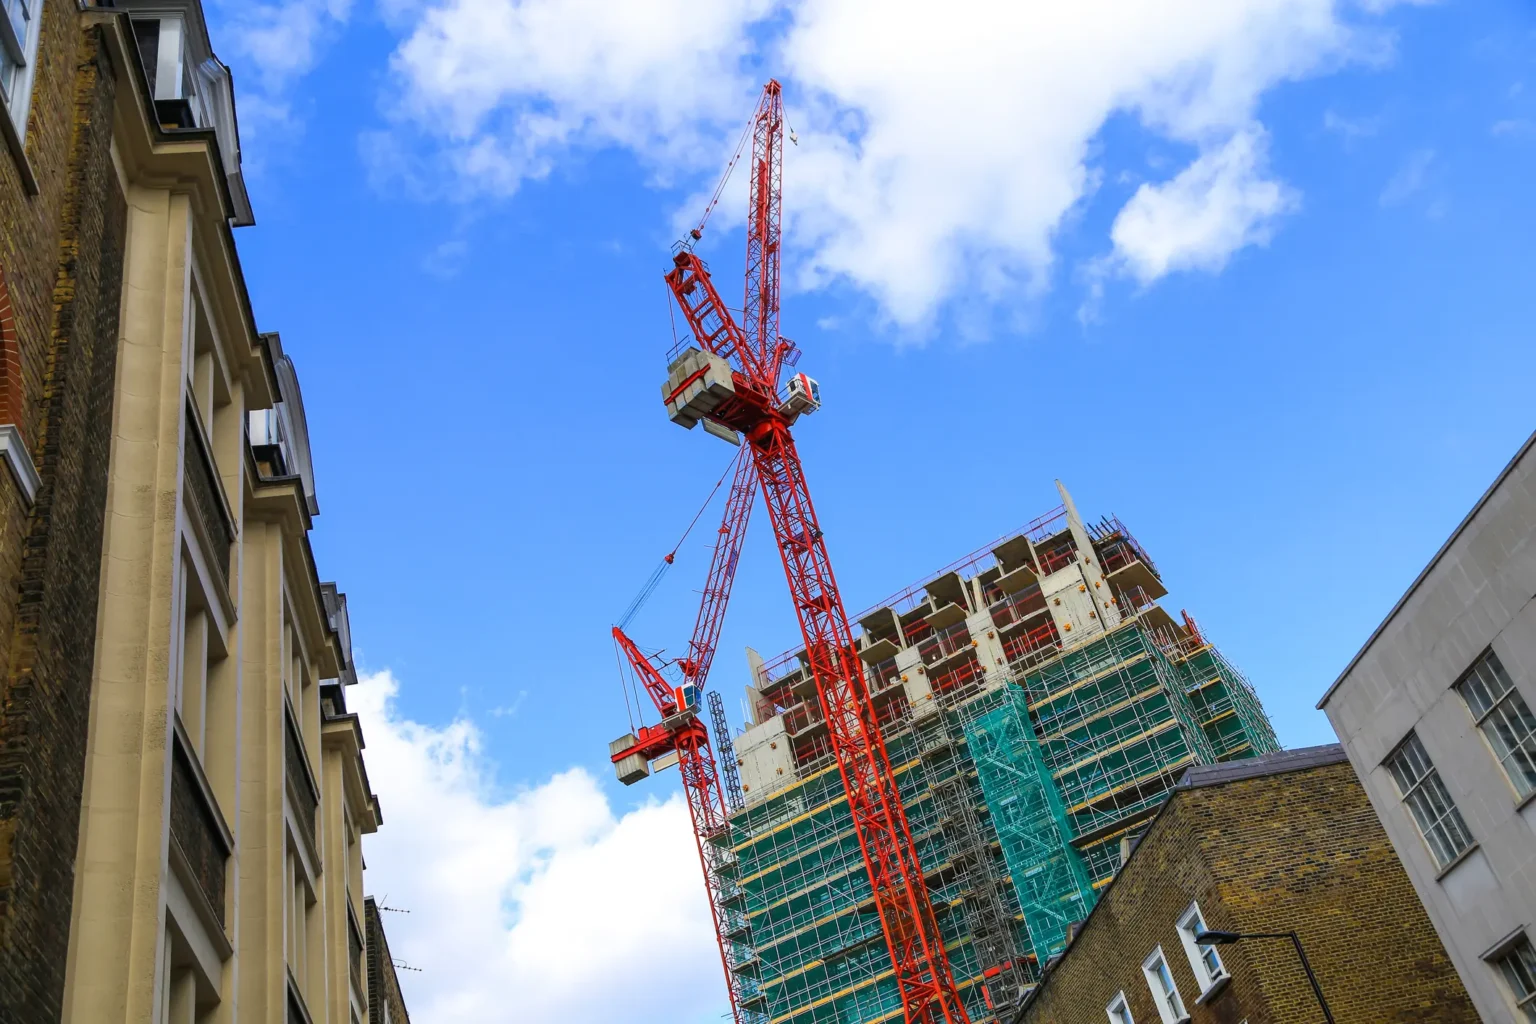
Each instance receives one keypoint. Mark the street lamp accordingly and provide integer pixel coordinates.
(1214, 938)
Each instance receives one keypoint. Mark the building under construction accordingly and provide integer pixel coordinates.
(1037, 704)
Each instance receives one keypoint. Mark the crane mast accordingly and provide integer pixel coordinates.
(729, 381)
(683, 733)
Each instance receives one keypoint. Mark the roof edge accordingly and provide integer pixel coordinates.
(1279, 762)
(1418, 580)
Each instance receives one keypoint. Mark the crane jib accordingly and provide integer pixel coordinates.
(731, 379)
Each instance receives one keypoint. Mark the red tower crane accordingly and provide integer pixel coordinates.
(728, 379)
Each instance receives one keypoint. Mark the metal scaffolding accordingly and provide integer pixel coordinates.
(1053, 888)
(968, 842)
(1023, 774)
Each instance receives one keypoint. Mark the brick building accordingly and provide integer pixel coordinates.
(386, 1005)
(182, 787)
(1278, 843)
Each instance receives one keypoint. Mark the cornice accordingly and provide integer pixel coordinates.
(185, 160)
(343, 735)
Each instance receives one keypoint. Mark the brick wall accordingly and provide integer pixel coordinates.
(62, 250)
(1296, 851)
(383, 981)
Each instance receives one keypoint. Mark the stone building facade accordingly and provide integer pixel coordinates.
(1436, 712)
(182, 788)
(1279, 843)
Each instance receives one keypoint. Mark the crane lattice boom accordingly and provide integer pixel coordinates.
(732, 380)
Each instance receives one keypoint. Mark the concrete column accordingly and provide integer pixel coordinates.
(115, 942)
(260, 843)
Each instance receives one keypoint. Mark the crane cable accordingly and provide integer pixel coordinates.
(654, 580)
(746, 133)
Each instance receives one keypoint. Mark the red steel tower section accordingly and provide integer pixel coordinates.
(730, 381)
(683, 732)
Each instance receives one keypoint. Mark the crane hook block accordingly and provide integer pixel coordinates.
(697, 382)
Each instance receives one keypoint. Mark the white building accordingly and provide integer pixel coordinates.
(1435, 713)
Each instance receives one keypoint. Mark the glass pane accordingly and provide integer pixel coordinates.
(1511, 732)
(1439, 820)
(1409, 764)
(1485, 682)
(18, 18)
(1519, 966)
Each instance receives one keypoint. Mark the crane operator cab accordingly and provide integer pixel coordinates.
(687, 697)
(802, 396)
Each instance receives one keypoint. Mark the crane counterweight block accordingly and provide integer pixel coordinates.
(633, 753)
(697, 382)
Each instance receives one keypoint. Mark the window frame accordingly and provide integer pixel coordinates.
(1524, 1002)
(1503, 703)
(1119, 1010)
(1195, 952)
(21, 55)
(1169, 1001)
(1430, 786)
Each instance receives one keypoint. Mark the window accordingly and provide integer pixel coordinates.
(1203, 960)
(1164, 992)
(1504, 717)
(1119, 1011)
(1418, 783)
(1519, 969)
(18, 53)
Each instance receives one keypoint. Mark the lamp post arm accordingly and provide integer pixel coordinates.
(1317, 989)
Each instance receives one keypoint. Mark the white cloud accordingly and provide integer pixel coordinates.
(272, 45)
(540, 905)
(512, 83)
(942, 146)
(282, 40)
(1351, 129)
(1514, 128)
(1217, 205)
(1409, 179)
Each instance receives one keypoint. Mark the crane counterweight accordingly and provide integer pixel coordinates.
(697, 382)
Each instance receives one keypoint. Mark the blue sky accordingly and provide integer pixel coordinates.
(1266, 298)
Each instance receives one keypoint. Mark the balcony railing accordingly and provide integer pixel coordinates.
(882, 676)
(203, 496)
(1012, 608)
(1117, 547)
(937, 646)
(803, 716)
(195, 828)
(301, 790)
(1032, 646)
(1058, 557)
(958, 680)
(355, 948)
